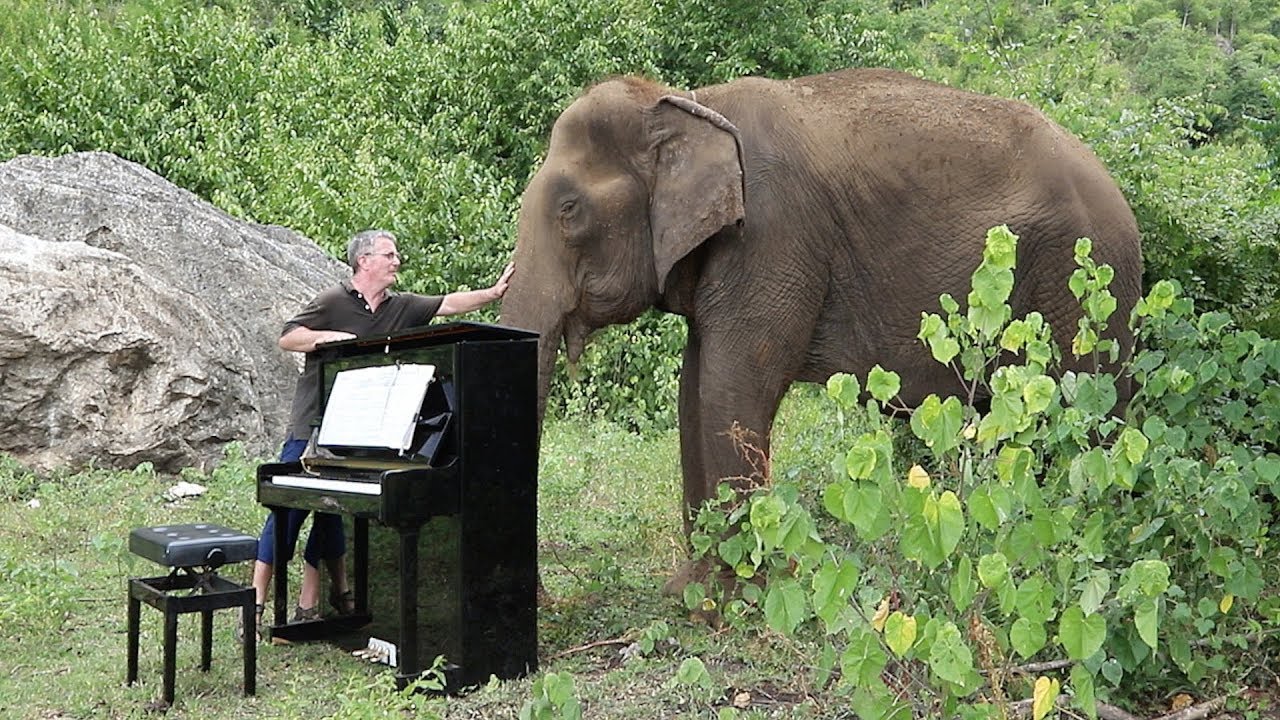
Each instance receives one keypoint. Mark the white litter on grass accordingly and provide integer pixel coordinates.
(184, 489)
(379, 651)
(33, 503)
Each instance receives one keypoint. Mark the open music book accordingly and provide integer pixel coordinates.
(375, 407)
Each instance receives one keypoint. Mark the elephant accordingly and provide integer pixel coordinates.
(800, 227)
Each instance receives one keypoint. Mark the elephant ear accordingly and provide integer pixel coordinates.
(698, 176)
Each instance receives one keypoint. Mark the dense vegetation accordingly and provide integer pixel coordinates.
(1139, 555)
(1133, 557)
(331, 115)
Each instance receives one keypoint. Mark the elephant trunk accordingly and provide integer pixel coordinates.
(516, 312)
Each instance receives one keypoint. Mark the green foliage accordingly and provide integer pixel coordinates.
(1174, 61)
(376, 697)
(553, 699)
(1041, 528)
(329, 116)
(694, 677)
(629, 374)
(705, 42)
(1265, 126)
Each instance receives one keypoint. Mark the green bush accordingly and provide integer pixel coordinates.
(329, 116)
(1137, 550)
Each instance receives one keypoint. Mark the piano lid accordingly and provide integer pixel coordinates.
(423, 336)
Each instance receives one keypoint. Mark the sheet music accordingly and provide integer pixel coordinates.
(375, 406)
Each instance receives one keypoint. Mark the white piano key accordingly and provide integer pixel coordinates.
(318, 483)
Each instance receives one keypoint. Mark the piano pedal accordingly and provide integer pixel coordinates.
(378, 651)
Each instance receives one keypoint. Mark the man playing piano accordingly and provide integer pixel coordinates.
(361, 305)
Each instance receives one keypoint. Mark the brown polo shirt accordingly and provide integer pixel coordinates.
(343, 308)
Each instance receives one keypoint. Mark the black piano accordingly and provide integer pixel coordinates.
(442, 551)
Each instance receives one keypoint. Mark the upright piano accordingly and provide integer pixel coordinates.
(443, 555)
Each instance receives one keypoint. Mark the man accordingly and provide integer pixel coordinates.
(362, 305)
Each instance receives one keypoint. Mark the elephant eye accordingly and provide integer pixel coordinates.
(572, 225)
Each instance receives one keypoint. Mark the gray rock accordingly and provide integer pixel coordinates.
(138, 322)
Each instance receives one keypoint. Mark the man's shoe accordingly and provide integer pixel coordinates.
(257, 629)
(301, 614)
(343, 602)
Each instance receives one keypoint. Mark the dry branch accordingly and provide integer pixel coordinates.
(588, 646)
(1022, 709)
(1206, 709)
(1040, 667)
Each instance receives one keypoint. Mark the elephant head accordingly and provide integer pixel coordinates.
(634, 180)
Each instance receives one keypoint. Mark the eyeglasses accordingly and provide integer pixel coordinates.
(390, 254)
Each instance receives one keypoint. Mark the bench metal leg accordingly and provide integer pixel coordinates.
(206, 639)
(135, 612)
(249, 613)
(170, 653)
(172, 595)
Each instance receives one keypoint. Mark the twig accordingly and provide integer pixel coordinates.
(588, 646)
(1022, 708)
(1198, 712)
(1253, 638)
(1038, 667)
(1111, 712)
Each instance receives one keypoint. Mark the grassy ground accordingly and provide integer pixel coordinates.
(609, 534)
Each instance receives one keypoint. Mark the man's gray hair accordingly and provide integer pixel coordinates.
(362, 244)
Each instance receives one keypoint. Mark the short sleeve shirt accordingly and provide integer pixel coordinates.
(344, 308)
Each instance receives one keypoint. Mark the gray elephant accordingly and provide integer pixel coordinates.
(800, 227)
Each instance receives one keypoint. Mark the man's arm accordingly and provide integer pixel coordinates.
(304, 339)
(456, 303)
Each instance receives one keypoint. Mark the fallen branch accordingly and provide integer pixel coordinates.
(1022, 708)
(1040, 667)
(1253, 638)
(588, 646)
(1111, 712)
(1204, 710)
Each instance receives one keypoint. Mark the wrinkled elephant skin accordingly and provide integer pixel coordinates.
(801, 227)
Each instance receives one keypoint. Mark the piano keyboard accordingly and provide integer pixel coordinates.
(319, 483)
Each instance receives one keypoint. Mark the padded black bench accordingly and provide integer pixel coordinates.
(195, 552)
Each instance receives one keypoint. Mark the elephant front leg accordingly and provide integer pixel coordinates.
(692, 468)
(691, 465)
(725, 421)
(726, 416)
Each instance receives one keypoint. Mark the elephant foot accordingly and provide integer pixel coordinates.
(692, 571)
(718, 579)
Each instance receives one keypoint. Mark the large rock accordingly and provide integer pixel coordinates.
(138, 322)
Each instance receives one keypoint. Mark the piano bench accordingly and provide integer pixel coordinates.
(194, 552)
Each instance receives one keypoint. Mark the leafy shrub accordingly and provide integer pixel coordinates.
(554, 698)
(428, 118)
(1043, 529)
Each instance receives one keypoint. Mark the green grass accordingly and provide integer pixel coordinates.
(609, 535)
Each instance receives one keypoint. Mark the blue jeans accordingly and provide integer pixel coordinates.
(327, 539)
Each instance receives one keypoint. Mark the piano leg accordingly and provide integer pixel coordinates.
(360, 571)
(280, 606)
(410, 664)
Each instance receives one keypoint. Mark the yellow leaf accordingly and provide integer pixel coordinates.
(970, 431)
(918, 478)
(900, 632)
(1043, 697)
(1227, 601)
(1181, 701)
(882, 614)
